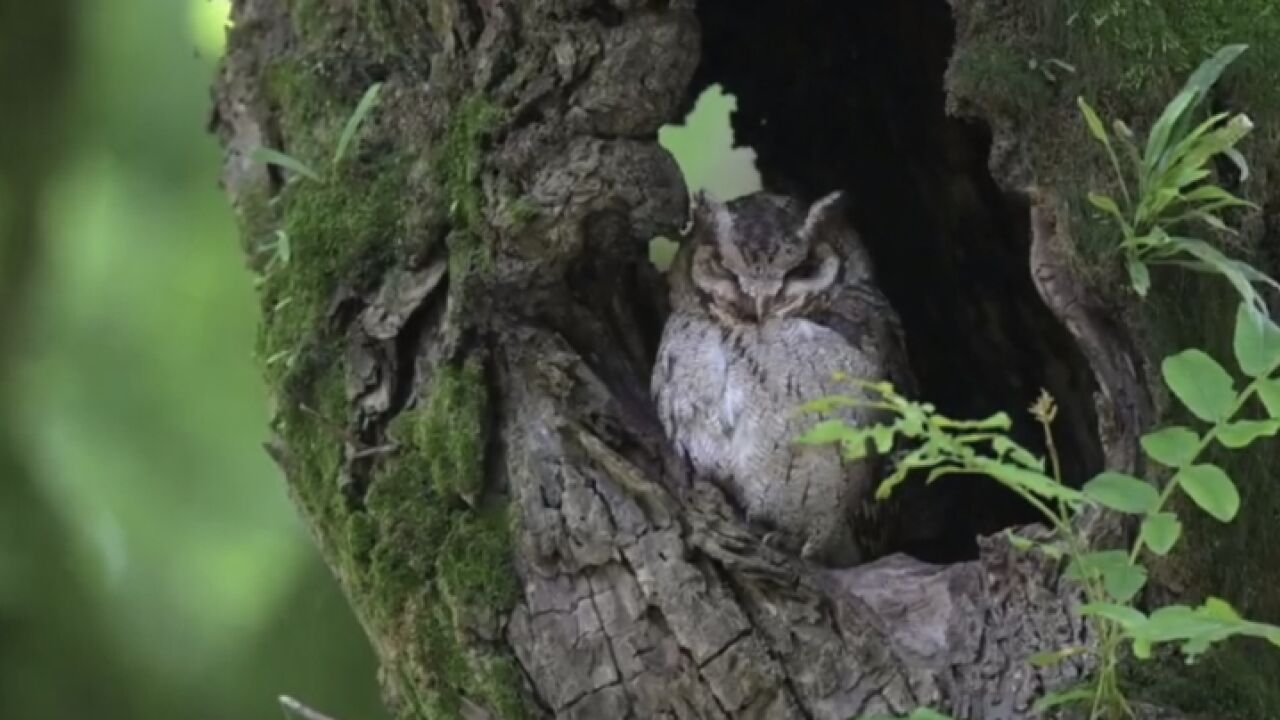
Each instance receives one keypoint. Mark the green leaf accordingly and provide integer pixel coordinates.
(363, 108)
(831, 403)
(1092, 564)
(1123, 582)
(1057, 699)
(1212, 622)
(1210, 70)
(1237, 159)
(1273, 635)
(1216, 196)
(882, 436)
(1121, 578)
(1257, 342)
(828, 431)
(1172, 446)
(1160, 532)
(1220, 609)
(1213, 221)
(998, 421)
(1049, 658)
(1105, 204)
(1162, 129)
(1096, 128)
(1004, 446)
(1269, 394)
(275, 157)
(1242, 433)
(1122, 615)
(1240, 275)
(1139, 276)
(1030, 480)
(1018, 542)
(1173, 121)
(1211, 489)
(1124, 493)
(1201, 384)
(1141, 649)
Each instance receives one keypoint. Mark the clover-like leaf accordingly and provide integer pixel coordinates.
(1124, 493)
(1201, 384)
(1123, 582)
(1160, 532)
(1211, 489)
(1172, 446)
(1242, 433)
(1122, 615)
(1269, 394)
(1257, 342)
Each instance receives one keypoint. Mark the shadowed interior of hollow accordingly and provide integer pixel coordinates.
(834, 94)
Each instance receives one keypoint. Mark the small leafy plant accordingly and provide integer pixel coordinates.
(280, 248)
(358, 116)
(1111, 578)
(1169, 186)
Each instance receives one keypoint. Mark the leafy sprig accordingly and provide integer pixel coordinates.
(1169, 185)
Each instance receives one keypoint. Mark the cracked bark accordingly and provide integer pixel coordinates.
(641, 594)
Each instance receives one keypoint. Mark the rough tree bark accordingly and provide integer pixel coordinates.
(459, 322)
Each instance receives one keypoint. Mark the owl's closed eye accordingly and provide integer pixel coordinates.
(759, 257)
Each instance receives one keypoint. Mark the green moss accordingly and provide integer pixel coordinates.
(1022, 88)
(309, 423)
(1130, 58)
(451, 431)
(340, 230)
(458, 161)
(475, 567)
(308, 113)
(499, 679)
(1145, 48)
(440, 568)
(461, 156)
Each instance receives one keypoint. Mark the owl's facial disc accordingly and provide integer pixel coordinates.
(811, 278)
(770, 262)
(710, 276)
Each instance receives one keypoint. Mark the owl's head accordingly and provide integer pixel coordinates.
(763, 256)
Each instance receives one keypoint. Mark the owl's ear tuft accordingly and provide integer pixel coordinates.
(711, 214)
(824, 214)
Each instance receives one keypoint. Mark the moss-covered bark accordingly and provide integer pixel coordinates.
(1020, 67)
(458, 324)
(396, 493)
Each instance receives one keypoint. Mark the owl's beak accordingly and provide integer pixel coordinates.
(762, 305)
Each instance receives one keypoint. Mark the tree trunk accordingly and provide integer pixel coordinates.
(459, 322)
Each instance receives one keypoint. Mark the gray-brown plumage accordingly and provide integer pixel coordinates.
(769, 303)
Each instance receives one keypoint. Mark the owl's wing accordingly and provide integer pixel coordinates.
(862, 315)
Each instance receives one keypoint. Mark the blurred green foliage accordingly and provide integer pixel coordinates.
(155, 562)
(703, 148)
(151, 565)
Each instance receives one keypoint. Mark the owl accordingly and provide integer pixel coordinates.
(770, 303)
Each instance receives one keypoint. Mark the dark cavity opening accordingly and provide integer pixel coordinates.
(837, 94)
